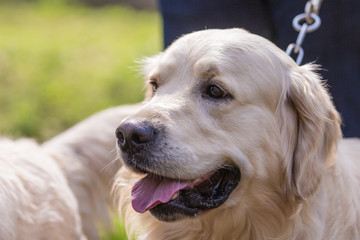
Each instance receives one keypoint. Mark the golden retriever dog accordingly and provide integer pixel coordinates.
(235, 141)
(59, 189)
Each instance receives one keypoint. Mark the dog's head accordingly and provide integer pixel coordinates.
(229, 119)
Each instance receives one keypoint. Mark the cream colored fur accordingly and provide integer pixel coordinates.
(87, 157)
(59, 190)
(35, 199)
(299, 179)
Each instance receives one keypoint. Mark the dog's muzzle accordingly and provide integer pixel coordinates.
(169, 198)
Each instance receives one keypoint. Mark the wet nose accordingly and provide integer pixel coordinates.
(134, 135)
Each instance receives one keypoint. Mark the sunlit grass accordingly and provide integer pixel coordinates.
(118, 232)
(61, 63)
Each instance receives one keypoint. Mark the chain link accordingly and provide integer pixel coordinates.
(304, 23)
(312, 6)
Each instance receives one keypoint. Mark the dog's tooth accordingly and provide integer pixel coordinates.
(175, 196)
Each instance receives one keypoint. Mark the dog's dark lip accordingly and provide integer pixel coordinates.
(207, 193)
(192, 182)
(146, 171)
(130, 163)
(139, 169)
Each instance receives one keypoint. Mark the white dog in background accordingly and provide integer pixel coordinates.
(236, 142)
(35, 199)
(59, 190)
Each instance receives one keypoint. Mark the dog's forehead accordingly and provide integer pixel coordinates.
(202, 52)
(214, 41)
(195, 46)
(241, 59)
(204, 49)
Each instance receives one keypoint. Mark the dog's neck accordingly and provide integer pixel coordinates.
(218, 227)
(231, 225)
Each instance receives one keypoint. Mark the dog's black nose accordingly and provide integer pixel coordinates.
(134, 135)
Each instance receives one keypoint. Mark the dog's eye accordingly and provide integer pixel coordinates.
(215, 92)
(155, 86)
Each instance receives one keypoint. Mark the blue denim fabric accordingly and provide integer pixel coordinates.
(335, 45)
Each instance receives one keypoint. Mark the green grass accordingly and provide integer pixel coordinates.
(118, 232)
(60, 63)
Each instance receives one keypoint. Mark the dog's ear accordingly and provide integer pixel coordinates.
(317, 131)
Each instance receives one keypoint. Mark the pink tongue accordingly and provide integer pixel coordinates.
(150, 191)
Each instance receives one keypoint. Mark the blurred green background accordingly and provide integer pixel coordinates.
(61, 61)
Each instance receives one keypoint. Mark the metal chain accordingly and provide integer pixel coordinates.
(304, 23)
